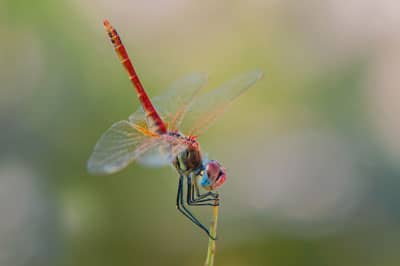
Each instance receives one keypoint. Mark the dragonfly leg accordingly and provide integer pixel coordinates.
(182, 208)
(201, 196)
(197, 199)
(196, 189)
(197, 202)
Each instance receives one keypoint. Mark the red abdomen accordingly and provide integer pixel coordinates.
(154, 121)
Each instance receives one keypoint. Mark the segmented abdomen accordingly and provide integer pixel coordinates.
(154, 121)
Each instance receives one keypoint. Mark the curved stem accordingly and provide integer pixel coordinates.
(211, 243)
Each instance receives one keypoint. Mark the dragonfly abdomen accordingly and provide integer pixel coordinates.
(153, 117)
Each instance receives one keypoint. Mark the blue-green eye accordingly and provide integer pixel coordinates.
(205, 181)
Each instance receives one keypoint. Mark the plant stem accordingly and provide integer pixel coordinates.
(211, 243)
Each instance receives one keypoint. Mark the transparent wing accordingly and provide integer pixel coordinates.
(125, 142)
(209, 106)
(155, 158)
(118, 146)
(177, 99)
(163, 153)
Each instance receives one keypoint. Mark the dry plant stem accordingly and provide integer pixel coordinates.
(211, 243)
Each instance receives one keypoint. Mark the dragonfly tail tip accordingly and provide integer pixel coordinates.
(106, 23)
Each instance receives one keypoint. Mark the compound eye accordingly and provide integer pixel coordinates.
(216, 173)
(213, 168)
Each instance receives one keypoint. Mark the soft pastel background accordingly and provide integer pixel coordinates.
(312, 150)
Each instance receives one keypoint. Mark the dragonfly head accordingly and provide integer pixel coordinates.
(214, 175)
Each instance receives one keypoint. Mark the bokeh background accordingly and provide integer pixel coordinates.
(312, 150)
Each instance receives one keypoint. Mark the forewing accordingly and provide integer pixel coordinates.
(209, 106)
(173, 104)
(118, 146)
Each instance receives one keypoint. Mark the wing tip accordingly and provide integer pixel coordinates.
(259, 73)
(94, 169)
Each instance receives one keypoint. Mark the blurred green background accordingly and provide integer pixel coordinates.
(312, 150)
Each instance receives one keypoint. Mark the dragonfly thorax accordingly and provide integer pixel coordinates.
(189, 160)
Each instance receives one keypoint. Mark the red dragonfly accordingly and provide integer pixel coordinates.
(154, 137)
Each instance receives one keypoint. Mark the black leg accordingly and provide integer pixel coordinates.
(199, 195)
(195, 201)
(179, 203)
(181, 207)
(201, 199)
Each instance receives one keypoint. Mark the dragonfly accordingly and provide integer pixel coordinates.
(153, 135)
